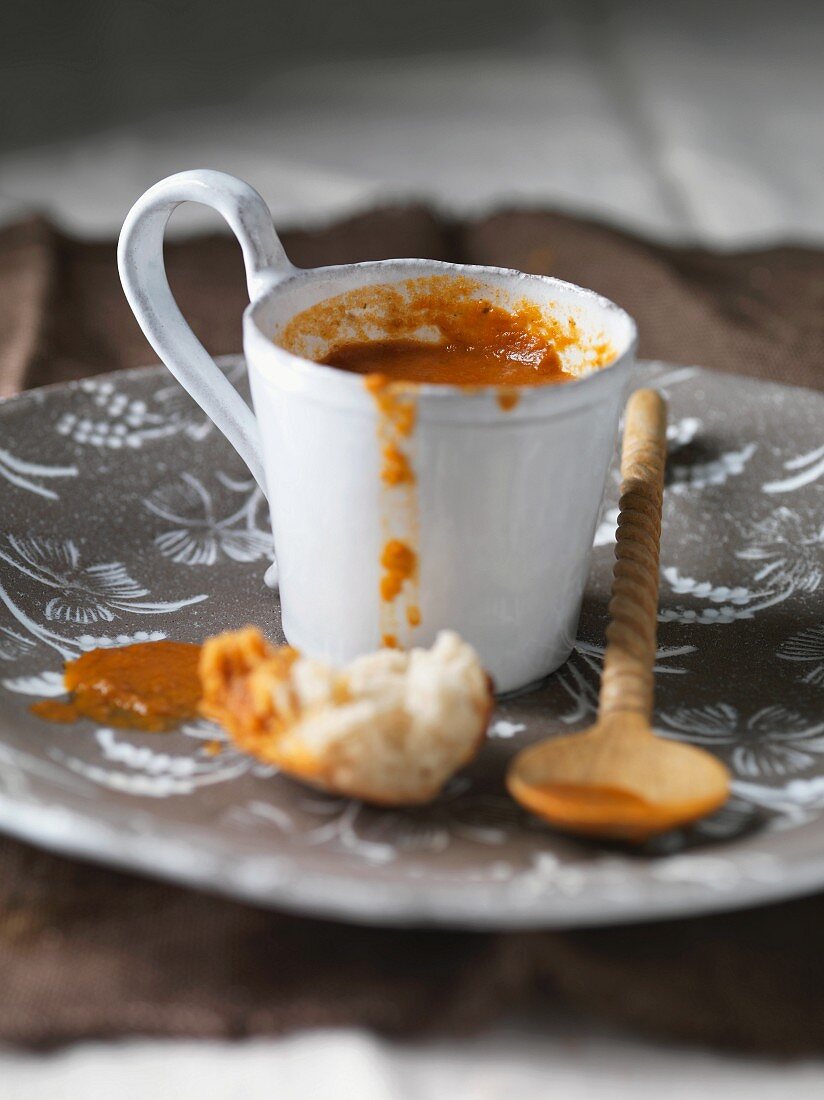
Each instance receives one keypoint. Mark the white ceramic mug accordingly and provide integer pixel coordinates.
(506, 501)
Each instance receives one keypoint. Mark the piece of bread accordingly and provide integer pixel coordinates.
(390, 728)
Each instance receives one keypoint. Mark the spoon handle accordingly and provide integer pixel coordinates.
(627, 682)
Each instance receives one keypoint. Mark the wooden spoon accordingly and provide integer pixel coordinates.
(619, 779)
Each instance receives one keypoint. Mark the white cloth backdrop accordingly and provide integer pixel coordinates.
(703, 121)
(677, 126)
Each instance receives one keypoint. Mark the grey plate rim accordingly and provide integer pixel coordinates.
(326, 896)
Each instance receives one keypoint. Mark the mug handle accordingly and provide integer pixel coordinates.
(143, 275)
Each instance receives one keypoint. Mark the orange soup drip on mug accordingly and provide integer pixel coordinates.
(399, 562)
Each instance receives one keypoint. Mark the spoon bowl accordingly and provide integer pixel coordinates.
(618, 780)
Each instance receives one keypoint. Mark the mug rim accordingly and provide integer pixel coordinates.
(438, 391)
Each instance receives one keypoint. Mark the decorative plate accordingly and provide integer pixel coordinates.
(127, 517)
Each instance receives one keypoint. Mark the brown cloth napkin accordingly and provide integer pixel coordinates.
(86, 952)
